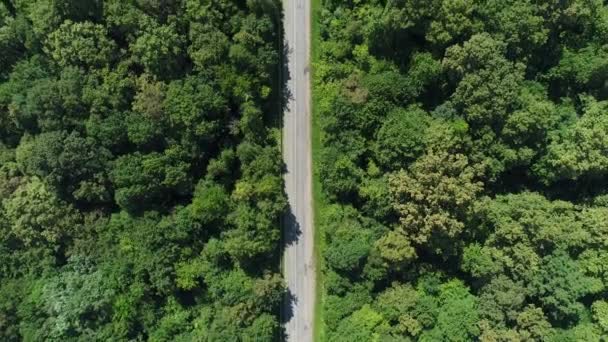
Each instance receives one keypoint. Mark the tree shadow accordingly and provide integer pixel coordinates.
(291, 229)
(287, 312)
(284, 76)
(281, 98)
(289, 301)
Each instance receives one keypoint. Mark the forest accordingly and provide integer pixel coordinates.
(464, 163)
(140, 190)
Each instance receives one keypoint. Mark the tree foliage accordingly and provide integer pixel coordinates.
(140, 189)
(472, 135)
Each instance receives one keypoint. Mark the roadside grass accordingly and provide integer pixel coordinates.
(319, 200)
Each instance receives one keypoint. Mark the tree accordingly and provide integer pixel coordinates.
(579, 70)
(434, 198)
(57, 104)
(399, 21)
(487, 81)
(69, 298)
(364, 324)
(533, 220)
(395, 249)
(259, 201)
(578, 151)
(110, 113)
(472, 133)
(38, 218)
(340, 307)
(502, 300)
(195, 110)
(600, 314)
(12, 294)
(533, 324)
(12, 40)
(109, 91)
(209, 45)
(159, 50)
(141, 179)
(454, 23)
(211, 202)
(341, 173)
(374, 190)
(68, 162)
(25, 75)
(348, 238)
(110, 132)
(559, 285)
(458, 314)
(146, 122)
(521, 25)
(149, 100)
(401, 139)
(408, 310)
(48, 15)
(82, 44)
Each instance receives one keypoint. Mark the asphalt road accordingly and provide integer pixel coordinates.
(298, 226)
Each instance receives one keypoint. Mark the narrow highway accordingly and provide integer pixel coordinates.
(298, 260)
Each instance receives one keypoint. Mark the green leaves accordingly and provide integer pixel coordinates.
(210, 203)
(141, 180)
(455, 21)
(73, 165)
(160, 50)
(36, 217)
(473, 133)
(195, 110)
(434, 198)
(401, 139)
(559, 285)
(363, 325)
(82, 44)
(600, 314)
(349, 239)
(578, 152)
(458, 315)
(68, 298)
(259, 200)
(109, 116)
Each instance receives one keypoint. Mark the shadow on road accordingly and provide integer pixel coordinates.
(289, 301)
(291, 229)
(280, 100)
(287, 311)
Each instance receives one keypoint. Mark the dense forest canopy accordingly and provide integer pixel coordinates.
(465, 163)
(139, 181)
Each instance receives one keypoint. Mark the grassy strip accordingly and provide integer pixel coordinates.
(319, 200)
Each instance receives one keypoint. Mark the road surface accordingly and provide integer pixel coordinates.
(298, 226)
